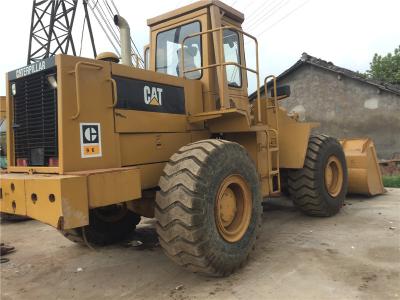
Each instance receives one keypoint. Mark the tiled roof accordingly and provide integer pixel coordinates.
(307, 59)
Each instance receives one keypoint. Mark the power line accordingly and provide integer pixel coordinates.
(103, 13)
(83, 31)
(102, 26)
(258, 12)
(107, 24)
(115, 7)
(135, 50)
(284, 17)
(270, 13)
(109, 8)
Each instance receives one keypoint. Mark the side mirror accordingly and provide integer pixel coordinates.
(281, 91)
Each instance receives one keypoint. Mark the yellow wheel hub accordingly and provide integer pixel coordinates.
(233, 208)
(333, 176)
(227, 206)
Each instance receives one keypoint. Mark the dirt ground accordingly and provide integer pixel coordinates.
(354, 255)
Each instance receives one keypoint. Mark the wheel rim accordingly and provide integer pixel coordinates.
(112, 213)
(233, 208)
(333, 176)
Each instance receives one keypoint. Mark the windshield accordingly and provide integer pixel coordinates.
(168, 56)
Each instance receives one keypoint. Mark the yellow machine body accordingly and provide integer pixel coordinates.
(363, 169)
(112, 127)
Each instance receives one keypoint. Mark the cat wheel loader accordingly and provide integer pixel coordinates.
(94, 144)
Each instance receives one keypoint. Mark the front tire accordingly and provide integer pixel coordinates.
(107, 225)
(209, 207)
(320, 187)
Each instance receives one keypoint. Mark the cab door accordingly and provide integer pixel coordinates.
(232, 82)
(236, 77)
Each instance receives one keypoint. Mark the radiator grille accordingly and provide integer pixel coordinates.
(35, 119)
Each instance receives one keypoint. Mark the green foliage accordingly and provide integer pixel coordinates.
(386, 68)
(391, 181)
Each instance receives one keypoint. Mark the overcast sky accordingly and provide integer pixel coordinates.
(346, 32)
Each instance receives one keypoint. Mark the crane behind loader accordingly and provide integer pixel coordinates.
(93, 144)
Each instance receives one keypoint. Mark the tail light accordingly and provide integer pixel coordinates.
(22, 162)
(53, 162)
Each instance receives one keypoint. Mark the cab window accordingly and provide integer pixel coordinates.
(147, 58)
(168, 55)
(232, 54)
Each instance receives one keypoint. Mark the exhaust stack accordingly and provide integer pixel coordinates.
(125, 36)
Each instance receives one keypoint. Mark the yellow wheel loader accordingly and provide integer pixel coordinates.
(94, 144)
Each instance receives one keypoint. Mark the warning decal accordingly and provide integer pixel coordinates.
(90, 140)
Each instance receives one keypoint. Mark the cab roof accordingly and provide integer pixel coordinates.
(229, 11)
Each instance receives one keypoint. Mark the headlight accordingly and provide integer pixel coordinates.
(52, 81)
(13, 89)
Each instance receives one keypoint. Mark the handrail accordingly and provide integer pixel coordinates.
(77, 77)
(221, 66)
(224, 64)
(274, 87)
(275, 97)
(115, 93)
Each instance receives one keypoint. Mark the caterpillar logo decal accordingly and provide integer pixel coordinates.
(152, 95)
(33, 68)
(141, 95)
(90, 140)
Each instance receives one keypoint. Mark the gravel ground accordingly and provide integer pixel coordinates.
(353, 255)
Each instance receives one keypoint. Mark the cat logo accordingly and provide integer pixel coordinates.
(152, 95)
(90, 140)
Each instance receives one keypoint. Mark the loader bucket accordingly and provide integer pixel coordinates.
(363, 169)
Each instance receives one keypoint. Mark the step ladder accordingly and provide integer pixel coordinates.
(272, 137)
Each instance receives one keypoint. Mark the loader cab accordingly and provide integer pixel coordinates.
(203, 41)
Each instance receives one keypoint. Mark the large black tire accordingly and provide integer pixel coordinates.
(186, 209)
(104, 231)
(308, 187)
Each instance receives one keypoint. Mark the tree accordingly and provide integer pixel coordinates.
(386, 68)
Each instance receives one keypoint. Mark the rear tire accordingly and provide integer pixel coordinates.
(107, 225)
(209, 207)
(320, 187)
